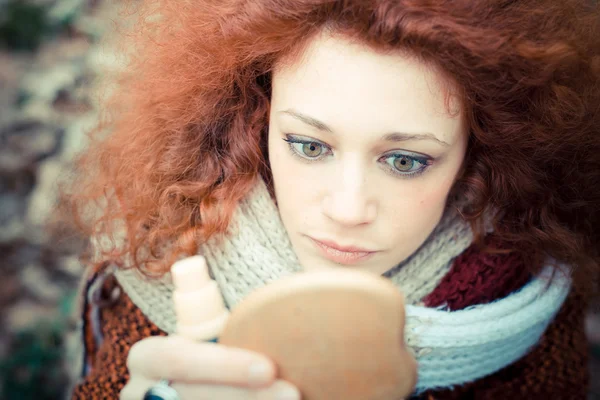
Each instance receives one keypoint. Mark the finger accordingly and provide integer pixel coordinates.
(136, 388)
(180, 359)
(279, 390)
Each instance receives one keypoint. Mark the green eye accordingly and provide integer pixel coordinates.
(308, 150)
(312, 149)
(403, 163)
(397, 164)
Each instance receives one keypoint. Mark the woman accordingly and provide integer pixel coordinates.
(451, 146)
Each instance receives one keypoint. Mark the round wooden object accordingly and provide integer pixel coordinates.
(333, 334)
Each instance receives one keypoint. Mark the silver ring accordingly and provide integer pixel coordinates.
(162, 391)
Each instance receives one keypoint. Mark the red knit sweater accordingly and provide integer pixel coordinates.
(555, 369)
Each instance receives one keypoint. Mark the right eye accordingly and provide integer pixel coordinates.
(307, 149)
(311, 149)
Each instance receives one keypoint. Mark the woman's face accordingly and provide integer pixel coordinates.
(363, 153)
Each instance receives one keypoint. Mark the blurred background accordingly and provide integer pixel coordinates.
(50, 60)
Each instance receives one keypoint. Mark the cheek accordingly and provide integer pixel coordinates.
(418, 212)
(293, 188)
(435, 197)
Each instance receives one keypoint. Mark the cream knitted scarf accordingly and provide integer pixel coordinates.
(450, 347)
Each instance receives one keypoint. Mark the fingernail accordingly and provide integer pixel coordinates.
(288, 393)
(259, 372)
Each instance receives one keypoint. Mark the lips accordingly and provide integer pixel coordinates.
(342, 254)
(345, 249)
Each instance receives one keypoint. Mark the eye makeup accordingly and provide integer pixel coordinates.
(310, 150)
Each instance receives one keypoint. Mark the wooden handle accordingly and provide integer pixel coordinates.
(335, 335)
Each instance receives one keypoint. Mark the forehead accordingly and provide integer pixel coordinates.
(352, 87)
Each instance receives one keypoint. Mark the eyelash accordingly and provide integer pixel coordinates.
(424, 161)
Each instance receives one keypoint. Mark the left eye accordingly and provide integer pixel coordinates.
(404, 163)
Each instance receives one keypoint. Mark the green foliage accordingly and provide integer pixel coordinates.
(22, 25)
(34, 368)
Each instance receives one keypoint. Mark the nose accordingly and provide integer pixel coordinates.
(348, 203)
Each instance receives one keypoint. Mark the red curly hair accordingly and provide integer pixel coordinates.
(187, 121)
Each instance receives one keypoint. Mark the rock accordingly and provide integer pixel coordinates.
(10, 289)
(71, 266)
(27, 313)
(11, 73)
(45, 112)
(65, 12)
(42, 112)
(25, 142)
(64, 50)
(45, 85)
(75, 137)
(71, 103)
(15, 256)
(12, 232)
(45, 194)
(10, 162)
(36, 280)
(12, 208)
(90, 26)
(34, 140)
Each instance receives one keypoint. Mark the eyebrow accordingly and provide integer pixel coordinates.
(390, 137)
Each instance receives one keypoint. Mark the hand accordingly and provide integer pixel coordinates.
(203, 370)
